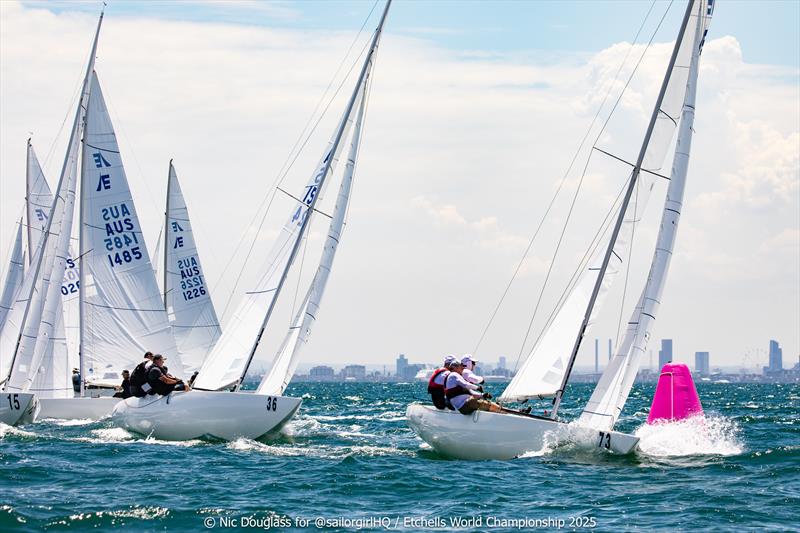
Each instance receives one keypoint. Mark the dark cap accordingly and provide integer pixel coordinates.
(158, 356)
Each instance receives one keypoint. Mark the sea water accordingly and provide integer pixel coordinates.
(348, 461)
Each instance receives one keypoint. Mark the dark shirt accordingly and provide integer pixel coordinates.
(126, 388)
(154, 379)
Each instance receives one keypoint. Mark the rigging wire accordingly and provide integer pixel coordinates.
(562, 182)
(583, 174)
(298, 146)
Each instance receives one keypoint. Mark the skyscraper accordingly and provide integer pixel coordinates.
(701, 363)
(502, 362)
(610, 349)
(402, 364)
(665, 353)
(596, 355)
(775, 358)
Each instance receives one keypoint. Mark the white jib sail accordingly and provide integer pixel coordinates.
(123, 313)
(13, 278)
(285, 362)
(186, 293)
(53, 378)
(611, 393)
(543, 371)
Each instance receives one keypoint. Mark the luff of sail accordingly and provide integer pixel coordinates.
(285, 362)
(123, 314)
(545, 370)
(187, 298)
(611, 393)
(13, 278)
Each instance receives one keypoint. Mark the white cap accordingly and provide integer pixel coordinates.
(449, 360)
(467, 360)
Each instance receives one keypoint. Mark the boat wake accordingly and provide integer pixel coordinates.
(699, 435)
(6, 430)
(318, 451)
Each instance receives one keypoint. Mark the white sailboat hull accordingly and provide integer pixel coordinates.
(484, 435)
(18, 408)
(77, 408)
(197, 414)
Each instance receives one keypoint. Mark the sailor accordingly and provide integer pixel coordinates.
(138, 382)
(465, 396)
(125, 388)
(76, 380)
(161, 382)
(469, 370)
(436, 384)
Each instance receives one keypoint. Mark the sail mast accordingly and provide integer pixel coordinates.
(28, 199)
(326, 169)
(166, 229)
(623, 208)
(81, 213)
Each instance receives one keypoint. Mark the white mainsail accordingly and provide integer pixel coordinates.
(285, 363)
(122, 314)
(611, 393)
(13, 278)
(544, 371)
(186, 293)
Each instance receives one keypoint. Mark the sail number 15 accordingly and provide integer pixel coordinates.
(13, 401)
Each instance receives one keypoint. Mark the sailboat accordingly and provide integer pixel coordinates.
(216, 407)
(187, 298)
(546, 371)
(27, 335)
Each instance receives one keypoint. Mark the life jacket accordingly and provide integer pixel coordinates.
(432, 385)
(458, 390)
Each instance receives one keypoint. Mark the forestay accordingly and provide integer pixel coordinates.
(123, 314)
(285, 362)
(544, 370)
(611, 393)
(186, 293)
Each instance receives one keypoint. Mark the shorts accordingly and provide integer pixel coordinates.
(475, 404)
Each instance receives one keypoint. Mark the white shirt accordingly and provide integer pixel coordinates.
(453, 380)
(472, 377)
(441, 377)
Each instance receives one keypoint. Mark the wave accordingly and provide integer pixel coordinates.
(318, 451)
(5, 429)
(699, 435)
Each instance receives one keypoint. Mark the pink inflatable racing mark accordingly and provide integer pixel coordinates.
(676, 397)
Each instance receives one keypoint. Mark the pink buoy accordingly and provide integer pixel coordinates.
(676, 397)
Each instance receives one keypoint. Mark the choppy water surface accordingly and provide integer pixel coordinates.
(350, 454)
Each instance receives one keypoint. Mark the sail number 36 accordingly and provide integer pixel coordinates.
(272, 403)
(13, 401)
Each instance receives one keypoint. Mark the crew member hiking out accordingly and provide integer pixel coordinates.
(436, 384)
(464, 395)
(161, 382)
(138, 381)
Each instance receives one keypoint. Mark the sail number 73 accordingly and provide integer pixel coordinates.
(605, 440)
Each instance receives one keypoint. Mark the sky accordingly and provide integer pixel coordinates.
(476, 110)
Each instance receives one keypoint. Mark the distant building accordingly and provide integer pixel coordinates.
(775, 359)
(410, 372)
(321, 373)
(596, 355)
(665, 353)
(402, 364)
(354, 372)
(701, 364)
(502, 363)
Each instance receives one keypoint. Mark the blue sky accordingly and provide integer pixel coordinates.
(502, 25)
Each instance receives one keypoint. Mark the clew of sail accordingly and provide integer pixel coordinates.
(544, 371)
(611, 393)
(15, 273)
(186, 293)
(285, 362)
(123, 314)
